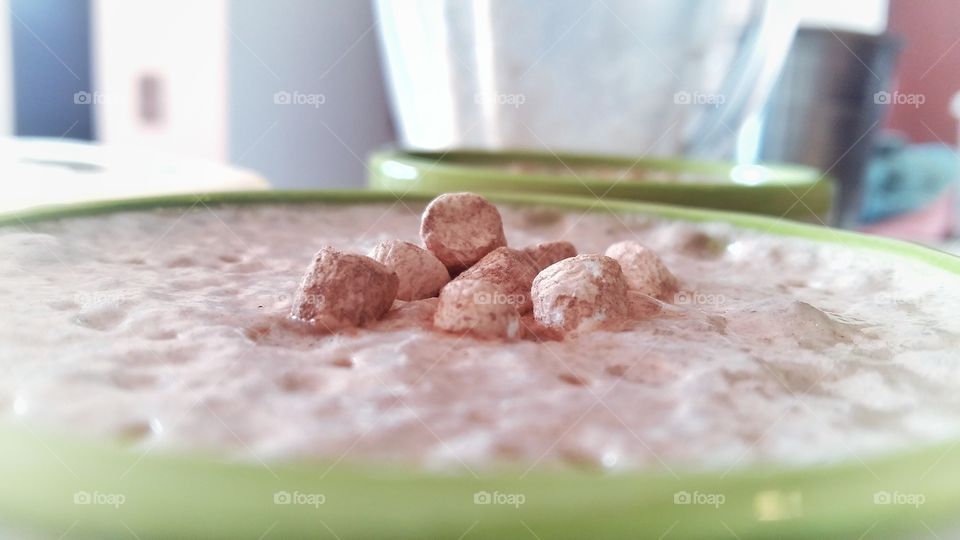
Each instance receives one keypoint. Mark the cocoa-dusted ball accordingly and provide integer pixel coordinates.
(510, 272)
(460, 228)
(343, 289)
(645, 271)
(421, 274)
(581, 293)
(544, 254)
(473, 307)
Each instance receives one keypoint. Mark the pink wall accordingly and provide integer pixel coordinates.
(929, 65)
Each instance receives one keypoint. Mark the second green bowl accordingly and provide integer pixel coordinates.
(788, 191)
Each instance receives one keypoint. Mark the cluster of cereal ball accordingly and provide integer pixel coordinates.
(485, 288)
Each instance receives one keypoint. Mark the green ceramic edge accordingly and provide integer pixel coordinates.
(790, 173)
(179, 495)
(442, 172)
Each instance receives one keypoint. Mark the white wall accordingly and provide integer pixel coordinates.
(6, 71)
(868, 16)
(183, 43)
(313, 48)
(222, 62)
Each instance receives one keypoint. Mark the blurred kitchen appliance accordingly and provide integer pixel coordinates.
(635, 77)
(828, 105)
(909, 189)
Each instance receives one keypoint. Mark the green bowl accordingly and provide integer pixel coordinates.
(791, 191)
(99, 489)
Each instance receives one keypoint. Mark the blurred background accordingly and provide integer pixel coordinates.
(114, 98)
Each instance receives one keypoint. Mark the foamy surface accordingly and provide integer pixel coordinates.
(167, 330)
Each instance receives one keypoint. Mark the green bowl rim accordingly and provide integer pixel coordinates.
(835, 497)
(778, 194)
(790, 173)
